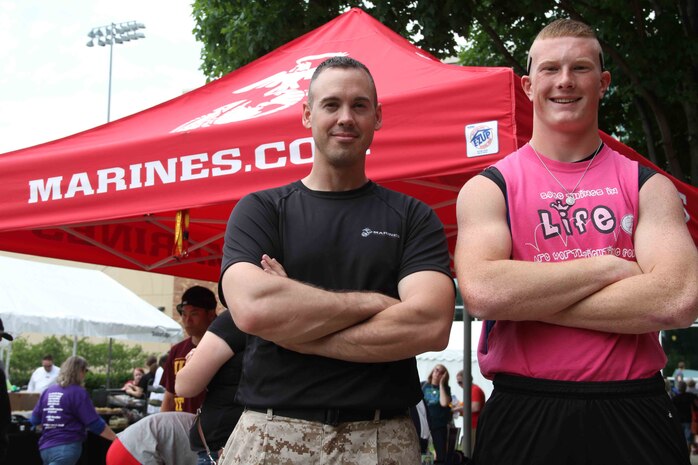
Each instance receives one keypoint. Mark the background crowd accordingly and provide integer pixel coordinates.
(320, 357)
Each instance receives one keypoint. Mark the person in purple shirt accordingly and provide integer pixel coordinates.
(65, 413)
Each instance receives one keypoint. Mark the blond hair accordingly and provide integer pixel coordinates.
(565, 27)
(71, 370)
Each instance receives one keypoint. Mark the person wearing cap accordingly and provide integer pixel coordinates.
(5, 409)
(198, 310)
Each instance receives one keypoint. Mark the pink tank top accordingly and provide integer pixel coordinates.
(545, 229)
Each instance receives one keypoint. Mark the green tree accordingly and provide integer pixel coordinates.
(234, 33)
(651, 49)
(26, 357)
(680, 345)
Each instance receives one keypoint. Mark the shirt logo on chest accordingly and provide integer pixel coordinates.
(366, 232)
(601, 217)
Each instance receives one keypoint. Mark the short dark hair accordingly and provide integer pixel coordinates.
(343, 62)
(47, 357)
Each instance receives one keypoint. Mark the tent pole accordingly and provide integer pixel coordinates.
(75, 345)
(109, 361)
(7, 361)
(467, 385)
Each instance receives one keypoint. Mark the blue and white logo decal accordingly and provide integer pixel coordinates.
(482, 139)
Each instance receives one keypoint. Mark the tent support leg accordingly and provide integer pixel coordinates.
(8, 355)
(109, 361)
(467, 383)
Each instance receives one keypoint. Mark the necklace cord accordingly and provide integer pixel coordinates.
(568, 192)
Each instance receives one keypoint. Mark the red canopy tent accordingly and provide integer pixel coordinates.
(110, 195)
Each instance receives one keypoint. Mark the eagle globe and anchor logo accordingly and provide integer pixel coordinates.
(366, 232)
(269, 95)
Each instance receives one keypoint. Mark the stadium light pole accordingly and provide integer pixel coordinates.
(110, 34)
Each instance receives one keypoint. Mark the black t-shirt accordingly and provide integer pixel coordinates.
(366, 239)
(684, 404)
(146, 380)
(219, 412)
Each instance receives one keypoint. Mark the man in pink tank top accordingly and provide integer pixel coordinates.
(577, 257)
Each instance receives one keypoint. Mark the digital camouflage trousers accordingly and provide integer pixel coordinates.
(262, 440)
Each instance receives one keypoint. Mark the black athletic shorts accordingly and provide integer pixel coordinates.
(541, 422)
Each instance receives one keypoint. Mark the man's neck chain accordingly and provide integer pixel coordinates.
(569, 197)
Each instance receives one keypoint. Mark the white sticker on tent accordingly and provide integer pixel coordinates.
(482, 139)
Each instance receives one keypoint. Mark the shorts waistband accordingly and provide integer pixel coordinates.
(580, 389)
(332, 417)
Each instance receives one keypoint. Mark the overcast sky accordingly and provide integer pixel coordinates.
(53, 85)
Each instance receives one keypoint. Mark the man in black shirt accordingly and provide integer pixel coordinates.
(685, 403)
(355, 281)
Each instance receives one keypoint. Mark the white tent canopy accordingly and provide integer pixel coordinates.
(55, 299)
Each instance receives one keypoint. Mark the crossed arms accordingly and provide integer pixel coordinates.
(352, 326)
(133, 390)
(604, 293)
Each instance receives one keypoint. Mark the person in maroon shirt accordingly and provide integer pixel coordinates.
(198, 310)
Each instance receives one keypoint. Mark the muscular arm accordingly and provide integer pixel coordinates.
(418, 323)
(255, 298)
(494, 287)
(665, 294)
(211, 353)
